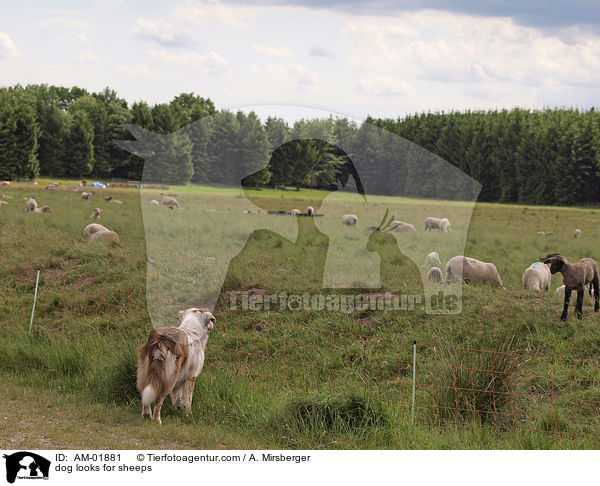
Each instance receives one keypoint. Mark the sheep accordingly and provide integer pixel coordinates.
(96, 232)
(5, 183)
(115, 201)
(437, 223)
(310, 211)
(559, 293)
(541, 233)
(3, 202)
(43, 209)
(170, 202)
(471, 270)
(433, 259)
(154, 202)
(30, 205)
(349, 219)
(549, 233)
(85, 195)
(537, 277)
(52, 186)
(577, 233)
(295, 212)
(575, 277)
(434, 275)
(4, 196)
(107, 198)
(96, 214)
(402, 227)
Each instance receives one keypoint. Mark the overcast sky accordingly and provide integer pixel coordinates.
(355, 58)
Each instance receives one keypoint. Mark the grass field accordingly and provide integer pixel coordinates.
(503, 373)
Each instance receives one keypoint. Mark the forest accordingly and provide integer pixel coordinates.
(547, 156)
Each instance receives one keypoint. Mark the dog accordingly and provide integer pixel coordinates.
(171, 360)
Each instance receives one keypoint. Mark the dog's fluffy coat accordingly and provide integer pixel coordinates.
(171, 360)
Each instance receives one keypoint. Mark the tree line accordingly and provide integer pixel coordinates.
(528, 156)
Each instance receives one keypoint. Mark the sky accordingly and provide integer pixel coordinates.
(347, 57)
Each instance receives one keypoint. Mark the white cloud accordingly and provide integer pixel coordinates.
(295, 74)
(8, 49)
(89, 57)
(137, 71)
(200, 12)
(383, 86)
(162, 33)
(273, 51)
(320, 52)
(81, 37)
(211, 62)
(65, 23)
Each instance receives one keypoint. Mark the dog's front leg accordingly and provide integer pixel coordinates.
(188, 393)
(178, 396)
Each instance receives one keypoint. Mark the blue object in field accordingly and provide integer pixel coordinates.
(98, 184)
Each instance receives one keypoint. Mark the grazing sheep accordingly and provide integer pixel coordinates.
(537, 277)
(433, 259)
(52, 186)
(154, 202)
(437, 223)
(295, 212)
(30, 205)
(4, 196)
(470, 270)
(85, 195)
(349, 219)
(541, 233)
(115, 201)
(310, 211)
(43, 209)
(575, 277)
(3, 202)
(97, 232)
(559, 293)
(434, 275)
(170, 202)
(5, 183)
(76, 189)
(549, 233)
(401, 227)
(577, 233)
(107, 198)
(96, 213)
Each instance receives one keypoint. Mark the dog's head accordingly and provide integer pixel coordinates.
(204, 316)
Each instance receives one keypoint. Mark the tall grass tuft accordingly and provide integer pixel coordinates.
(476, 386)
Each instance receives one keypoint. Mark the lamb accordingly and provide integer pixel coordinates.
(433, 259)
(434, 275)
(97, 232)
(537, 277)
(85, 195)
(575, 277)
(471, 270)
(437, 223)
(115, 201)
(401, 227)
(349, 219)
(96, 213)
(310, 211)
(577, 233)
(154, 202)
(295, 212)
(43, 209)
(30, 205)
(170, 202)
(541, 233)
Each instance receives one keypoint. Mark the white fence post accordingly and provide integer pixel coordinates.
(412, 422)
(37, 281)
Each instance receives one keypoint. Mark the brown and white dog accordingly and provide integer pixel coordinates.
(171, 360)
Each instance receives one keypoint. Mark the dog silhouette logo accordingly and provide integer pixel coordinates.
(26, 465)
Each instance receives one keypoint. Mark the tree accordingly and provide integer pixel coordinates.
(79, 148)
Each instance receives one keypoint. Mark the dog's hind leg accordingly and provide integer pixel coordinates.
(157, 408)
(147, 411)
(178, 397)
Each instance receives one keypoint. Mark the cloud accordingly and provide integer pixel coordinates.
(81, 37)
(161, 33)
(137, 71)
(204, 12)
(293, 73)
(273, 51)
(89, 57)
(8, 49)
(211, 62)
(320, 52)
(383, 86)
(65, 23)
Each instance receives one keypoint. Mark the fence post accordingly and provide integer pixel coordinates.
(412, 421)
(37, 281)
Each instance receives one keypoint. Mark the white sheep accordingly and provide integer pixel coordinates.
(577, 233)
(310, 211)
(96, 232)
(52, 186)
(31, 205)
(469, 270)
(85, 195)
(5, 183)
(433, 259)
(3, 202)
(541, 233)
(537, 277)
(401, 227)
(43, 209)
(437, 223)
(549, 233)
(559, 294)
(96, 213)
(154, 202)
(349, 219)
(115, 201)
(295, 212)
(434, 275)
(170, 202)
